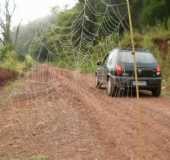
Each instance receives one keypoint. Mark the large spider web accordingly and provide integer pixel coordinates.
(112, 21)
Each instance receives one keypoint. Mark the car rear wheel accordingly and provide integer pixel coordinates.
(109, 88)
(98, 84)
(156, 92)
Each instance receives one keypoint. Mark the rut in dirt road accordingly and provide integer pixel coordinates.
(59, 113)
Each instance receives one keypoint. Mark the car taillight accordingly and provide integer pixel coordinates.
(158, 70)
(118, 70)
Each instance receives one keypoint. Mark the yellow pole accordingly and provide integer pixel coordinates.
(133, 48)
(141, 149)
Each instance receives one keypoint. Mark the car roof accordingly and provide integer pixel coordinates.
(130, 50)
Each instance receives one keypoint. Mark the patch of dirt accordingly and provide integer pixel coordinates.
(60, 114)
(6, 75)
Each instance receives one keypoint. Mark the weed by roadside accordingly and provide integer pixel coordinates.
(37, 157)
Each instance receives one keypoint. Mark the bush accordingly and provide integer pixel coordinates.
(126, 40)
(11, 62)
(9, 59)
(28, 61)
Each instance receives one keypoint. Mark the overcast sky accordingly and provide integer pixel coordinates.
(29, 10)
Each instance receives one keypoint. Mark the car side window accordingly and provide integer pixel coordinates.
(112, 60)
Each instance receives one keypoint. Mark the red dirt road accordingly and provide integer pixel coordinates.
(60, 114)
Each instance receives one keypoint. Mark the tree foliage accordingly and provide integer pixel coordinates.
(155, 11)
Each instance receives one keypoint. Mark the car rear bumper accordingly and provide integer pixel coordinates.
(144, 82)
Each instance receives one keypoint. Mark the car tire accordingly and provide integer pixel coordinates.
(109, 88)
(98, 84)
(156, 92)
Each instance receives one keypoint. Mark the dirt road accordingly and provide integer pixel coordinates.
(59, 114)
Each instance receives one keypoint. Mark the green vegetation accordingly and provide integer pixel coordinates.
(9, 57)
(91, 25)
(23, 157)
(39, 157)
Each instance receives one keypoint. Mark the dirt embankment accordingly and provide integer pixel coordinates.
(6, 75)
(60, 114)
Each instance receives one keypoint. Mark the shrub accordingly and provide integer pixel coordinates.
(28, 61)
(39, 157)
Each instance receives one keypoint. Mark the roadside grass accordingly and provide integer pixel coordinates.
(22, 157)
(13, 64)
(39, 157)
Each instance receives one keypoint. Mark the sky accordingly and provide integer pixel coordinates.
(29, 10)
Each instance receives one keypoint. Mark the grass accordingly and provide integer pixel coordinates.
(39, 157)
(22, 157)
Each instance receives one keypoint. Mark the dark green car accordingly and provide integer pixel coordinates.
(116, 72)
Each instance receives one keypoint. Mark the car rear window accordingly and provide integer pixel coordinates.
(141, 57)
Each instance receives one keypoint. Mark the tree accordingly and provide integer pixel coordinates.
(155, 11)
(6, 13)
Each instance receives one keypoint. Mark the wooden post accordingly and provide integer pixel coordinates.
(133, 48)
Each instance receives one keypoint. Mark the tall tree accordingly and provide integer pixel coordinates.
(6, 13)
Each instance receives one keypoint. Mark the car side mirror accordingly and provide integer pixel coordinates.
(99, 63)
